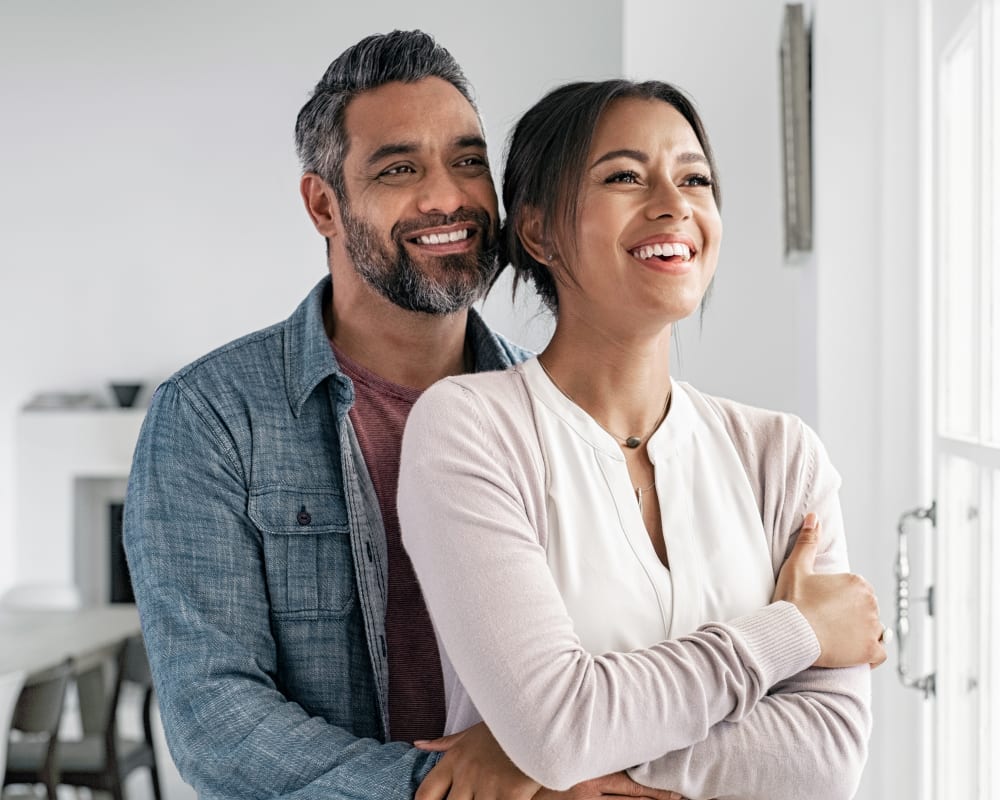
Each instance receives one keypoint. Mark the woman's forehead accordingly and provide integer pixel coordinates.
(643, 125)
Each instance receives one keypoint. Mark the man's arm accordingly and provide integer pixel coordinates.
(199, 577)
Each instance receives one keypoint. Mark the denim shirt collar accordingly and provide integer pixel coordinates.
(309, 359)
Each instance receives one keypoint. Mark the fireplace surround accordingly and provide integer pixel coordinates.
(71, 466)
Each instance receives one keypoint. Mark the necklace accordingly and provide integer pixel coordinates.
(639, 492)
(631, 442)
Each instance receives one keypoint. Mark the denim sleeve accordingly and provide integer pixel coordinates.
(199, 581)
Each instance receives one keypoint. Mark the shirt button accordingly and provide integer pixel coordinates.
(303, 517)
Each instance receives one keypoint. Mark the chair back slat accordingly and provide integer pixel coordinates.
(134, 664)
(10, 690)
(39, 706)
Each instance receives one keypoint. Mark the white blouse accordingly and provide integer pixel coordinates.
(618, 593)
(518, 514)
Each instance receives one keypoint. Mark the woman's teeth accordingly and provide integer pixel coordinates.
(664, 250)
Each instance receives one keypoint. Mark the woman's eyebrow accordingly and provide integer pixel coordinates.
(635, 155)
(691, 157)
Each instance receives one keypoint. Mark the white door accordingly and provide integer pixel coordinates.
(964, 224)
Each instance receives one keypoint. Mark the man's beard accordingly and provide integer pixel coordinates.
(460, 279)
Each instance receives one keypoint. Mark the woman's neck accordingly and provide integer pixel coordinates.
(622, 383)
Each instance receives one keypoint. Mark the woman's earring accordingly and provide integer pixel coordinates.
(550, 256)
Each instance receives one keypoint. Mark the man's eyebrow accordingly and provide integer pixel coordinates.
(406, 148)
(691, 157)
(391, 149)
(473, 140)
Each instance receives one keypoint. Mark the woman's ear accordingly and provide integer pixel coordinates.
(321, 204)
(534, 239)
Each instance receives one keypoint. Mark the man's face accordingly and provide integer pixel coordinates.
(419, 217)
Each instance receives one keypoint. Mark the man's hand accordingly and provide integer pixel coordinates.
(841, 608)
(617, 784)
(475, 767)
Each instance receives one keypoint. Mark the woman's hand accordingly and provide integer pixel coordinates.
(841, 608)
(474, 767)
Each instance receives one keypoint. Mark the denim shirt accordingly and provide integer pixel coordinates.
(258, 559)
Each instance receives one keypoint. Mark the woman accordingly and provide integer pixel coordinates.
(581, 523)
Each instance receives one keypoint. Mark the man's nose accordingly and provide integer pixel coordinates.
(440, 192)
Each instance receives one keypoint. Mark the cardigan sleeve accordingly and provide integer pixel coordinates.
(472, 523)
(809, 736)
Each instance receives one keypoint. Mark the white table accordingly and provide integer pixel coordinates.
(37, 641)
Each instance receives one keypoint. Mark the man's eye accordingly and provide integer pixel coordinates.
(625, 176)
(399, 169)
(476, 164)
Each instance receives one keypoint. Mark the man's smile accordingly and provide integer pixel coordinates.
(446, 240)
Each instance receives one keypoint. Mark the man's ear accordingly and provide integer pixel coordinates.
(534, 238)
(321, 204)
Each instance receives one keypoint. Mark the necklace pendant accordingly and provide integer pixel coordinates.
(633, 442)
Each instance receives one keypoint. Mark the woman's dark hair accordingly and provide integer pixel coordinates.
(546, 158)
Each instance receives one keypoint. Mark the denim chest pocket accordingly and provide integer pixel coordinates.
(307, 550)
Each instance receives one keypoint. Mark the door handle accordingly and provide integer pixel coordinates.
(925, 683)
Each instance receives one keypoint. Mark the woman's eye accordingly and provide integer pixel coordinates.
(625, 176)
(697, 180)
(472, 161)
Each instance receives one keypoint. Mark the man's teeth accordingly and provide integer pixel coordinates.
(444, 238)
(665, 249)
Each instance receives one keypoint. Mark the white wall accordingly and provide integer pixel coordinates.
(149, 207)
(867, 177)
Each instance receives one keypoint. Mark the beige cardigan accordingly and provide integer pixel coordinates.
(732, 710)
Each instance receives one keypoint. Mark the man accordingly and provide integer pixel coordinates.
(292, 652)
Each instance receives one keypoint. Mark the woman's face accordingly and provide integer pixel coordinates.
(648, 232)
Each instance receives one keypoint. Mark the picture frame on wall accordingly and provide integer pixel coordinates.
(796, 126)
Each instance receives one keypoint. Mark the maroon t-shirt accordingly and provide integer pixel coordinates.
(416, 688)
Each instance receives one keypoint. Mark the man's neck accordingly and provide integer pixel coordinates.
(403, 347)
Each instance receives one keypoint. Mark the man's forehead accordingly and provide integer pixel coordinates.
(425, 113)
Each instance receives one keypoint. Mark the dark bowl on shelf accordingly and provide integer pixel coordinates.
(126, 393)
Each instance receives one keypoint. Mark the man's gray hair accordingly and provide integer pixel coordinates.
(408, 56)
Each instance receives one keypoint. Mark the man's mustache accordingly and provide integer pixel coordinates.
(405, 227)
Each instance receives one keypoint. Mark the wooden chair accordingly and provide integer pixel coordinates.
(33, 757)
(103, 760)
(10, 690)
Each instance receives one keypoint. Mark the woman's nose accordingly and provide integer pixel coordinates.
(667, 200)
